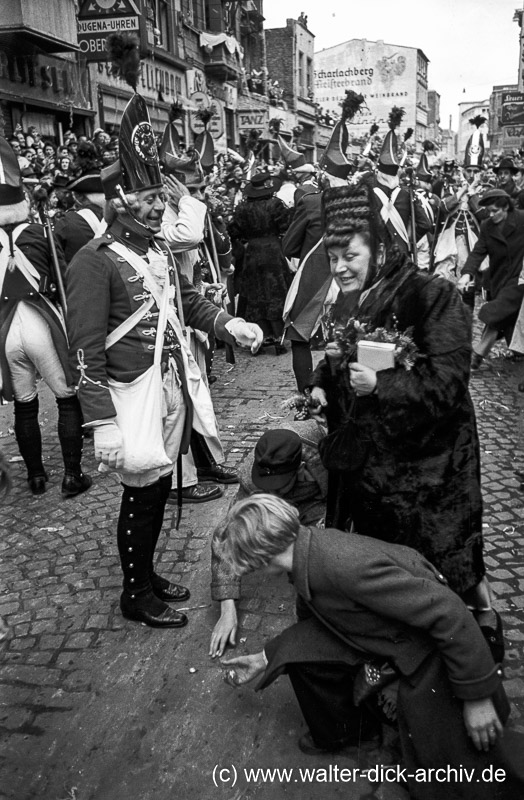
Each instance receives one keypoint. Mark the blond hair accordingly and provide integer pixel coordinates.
(256, 530)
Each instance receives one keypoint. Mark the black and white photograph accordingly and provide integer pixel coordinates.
(261, 400)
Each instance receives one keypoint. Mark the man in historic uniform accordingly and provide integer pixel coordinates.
(117, 286)
(84, 221)
(460, 211)
(33, 341)
(430, 202)
(185, 227)
(392, 200)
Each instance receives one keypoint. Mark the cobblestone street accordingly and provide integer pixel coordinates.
(93, 707)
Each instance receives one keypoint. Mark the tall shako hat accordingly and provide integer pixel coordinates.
(137, 167)
(388, 161)
(334, 160)
(292, 158)
(186, 169)
(423, 172)
(171, 138)
(474, 154)
(204, 144)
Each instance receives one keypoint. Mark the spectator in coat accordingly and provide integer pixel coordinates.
(502, 240)
(370, 601)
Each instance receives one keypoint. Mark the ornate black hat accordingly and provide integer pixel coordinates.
(137, 167)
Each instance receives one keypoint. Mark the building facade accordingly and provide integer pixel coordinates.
(43, 82)
(387, 75)
(506, 119)
(290, 55)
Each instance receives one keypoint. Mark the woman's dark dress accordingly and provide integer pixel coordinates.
(264, 276)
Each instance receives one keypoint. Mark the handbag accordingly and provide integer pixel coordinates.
(138, 404)
(346, 448)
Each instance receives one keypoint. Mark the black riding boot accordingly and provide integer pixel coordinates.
(29, 439)
(71, 439)
(137, 523)
(164, 589)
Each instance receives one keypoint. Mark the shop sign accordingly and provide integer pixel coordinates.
(225, 92)
(513, 108)
(253, 118)
(513, 135)
(98, 18)
(157, 80)
(42, 77)
(216, 124)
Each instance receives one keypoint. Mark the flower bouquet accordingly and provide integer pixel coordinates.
(344, 341)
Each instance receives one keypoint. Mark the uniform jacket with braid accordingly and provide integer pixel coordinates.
(103, 291)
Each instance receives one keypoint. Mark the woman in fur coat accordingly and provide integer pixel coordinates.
(404, 461)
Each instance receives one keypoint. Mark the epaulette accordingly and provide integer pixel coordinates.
(102, 241)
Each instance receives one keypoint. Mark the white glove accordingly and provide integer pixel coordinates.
(247, 334)
(464, 282)
(109, 446)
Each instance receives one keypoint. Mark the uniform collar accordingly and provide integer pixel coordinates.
(126, 230)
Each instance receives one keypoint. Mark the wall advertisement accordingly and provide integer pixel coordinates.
(385, 74)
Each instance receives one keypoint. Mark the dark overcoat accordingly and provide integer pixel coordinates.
(73, 231)
(372, 599)
(415, 474)
(264, 274)
(504, 244)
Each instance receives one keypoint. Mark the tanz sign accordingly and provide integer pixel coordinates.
(254, 118)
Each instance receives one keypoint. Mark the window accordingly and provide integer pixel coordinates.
(161, 24)
(310, 83)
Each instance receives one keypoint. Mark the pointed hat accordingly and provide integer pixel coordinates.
(388, 162)
(474, 154)
(334, 160)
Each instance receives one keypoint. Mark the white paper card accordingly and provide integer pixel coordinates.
(376, 355)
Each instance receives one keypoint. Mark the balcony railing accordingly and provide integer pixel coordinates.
(219, 63)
